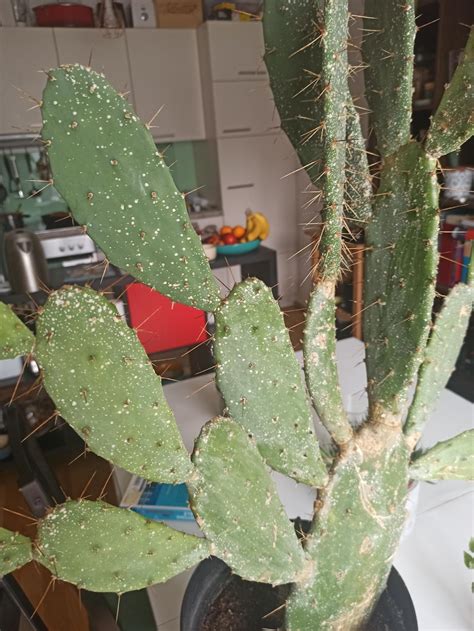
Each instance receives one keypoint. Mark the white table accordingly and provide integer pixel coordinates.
(430, 558)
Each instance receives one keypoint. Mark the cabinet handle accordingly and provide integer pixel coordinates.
(237, 130)
(236, 186)
(251, 73)
(164, 135)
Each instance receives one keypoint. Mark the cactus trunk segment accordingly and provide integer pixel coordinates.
(15, 551)
(358, 185)
(440, 357)
(451, 459)
(453, 122)
(355, 534)
(15, 338)
(261, 382)
(127, 551)
(308, 74)
(103, 384)
(107, 168)
(388, 52)
(320, 363)
(333, 93)
(237, 506)
(400, 273)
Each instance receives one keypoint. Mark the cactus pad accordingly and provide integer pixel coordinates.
(388, 52)
(320, 363)
(106, 166)
(103, 384)
(352, 562)
(401, 263)
(15, 551)
(440, 356)
(260, 380)
(294, 65)
(453, 122)
(15, 338)
(451, 459)
(127, 551)
(237, 506)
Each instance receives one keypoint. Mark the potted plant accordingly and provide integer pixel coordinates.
(107, 168)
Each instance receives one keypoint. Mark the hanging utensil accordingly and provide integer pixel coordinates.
(3, 192)
(15, 182)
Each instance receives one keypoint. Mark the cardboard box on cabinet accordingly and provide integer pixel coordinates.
(178, 13)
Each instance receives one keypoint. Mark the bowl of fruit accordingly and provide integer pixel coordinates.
(239, 240)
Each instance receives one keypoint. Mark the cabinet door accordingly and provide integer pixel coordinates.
(252, 172)
(24, 52)
(165, 70)
(244, 108)
(105, 53)
(236, 51)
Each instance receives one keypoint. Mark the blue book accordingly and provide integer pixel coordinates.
(160, 502)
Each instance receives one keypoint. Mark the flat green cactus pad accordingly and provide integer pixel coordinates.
(238, 508)
(451, 459)
(453, 123)
(15, 338)
(106, 166)
(401, 263)
(355, 534)
(260, 380)
(294, 65)
(15, 551)
(102, 548)
(320, 363)
(358, 185)
(102, 383)
(388, 52)
(440, 356)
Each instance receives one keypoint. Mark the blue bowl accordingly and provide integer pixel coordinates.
(238, 248)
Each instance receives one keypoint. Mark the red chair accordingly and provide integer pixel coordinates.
(162, 324)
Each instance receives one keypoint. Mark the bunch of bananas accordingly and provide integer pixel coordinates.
(257, 226)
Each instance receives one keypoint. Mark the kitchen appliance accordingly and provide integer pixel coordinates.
(64, 14)
(25, 262)
(69, 246)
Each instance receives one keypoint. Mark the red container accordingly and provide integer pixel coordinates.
(64, 14)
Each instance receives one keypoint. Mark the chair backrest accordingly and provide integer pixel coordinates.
(161, 323)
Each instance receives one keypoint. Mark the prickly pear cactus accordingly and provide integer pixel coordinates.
(107, 168)
(118, 187)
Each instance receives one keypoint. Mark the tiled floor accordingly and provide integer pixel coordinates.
(166, 601)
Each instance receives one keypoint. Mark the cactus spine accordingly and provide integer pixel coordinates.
(105, 165)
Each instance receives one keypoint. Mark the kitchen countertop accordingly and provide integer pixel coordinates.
(93, 274)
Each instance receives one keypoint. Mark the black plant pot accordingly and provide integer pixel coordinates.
(216, 599)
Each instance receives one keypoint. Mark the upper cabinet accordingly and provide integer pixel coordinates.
(164, 64)
(244, 108)
(96, 47)
(24, 52)
(236, 51)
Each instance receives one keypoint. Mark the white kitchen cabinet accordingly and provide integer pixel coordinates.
(105, 53)
(24, 52)
(244, 108)
(252, 175)
(236, 50)
(164, 65)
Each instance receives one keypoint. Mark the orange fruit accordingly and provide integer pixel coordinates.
(238, 232)
(225, 230)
